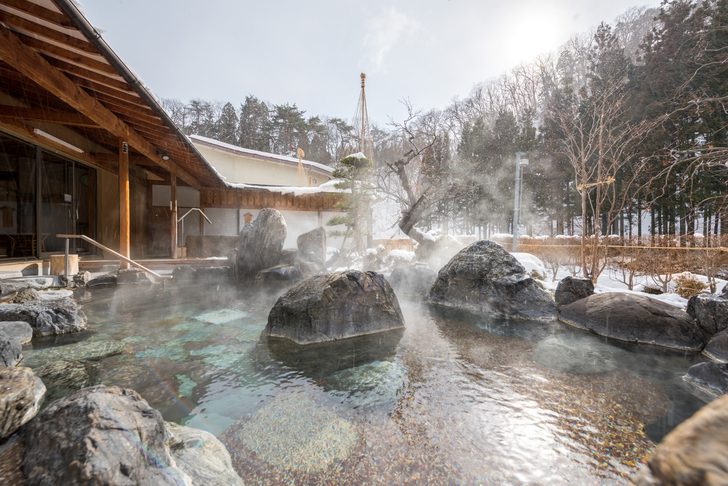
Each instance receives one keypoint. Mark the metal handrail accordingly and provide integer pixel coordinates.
(117, 255)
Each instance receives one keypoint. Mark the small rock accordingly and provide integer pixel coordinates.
(47, 295)
(18, 330)
(201, 456)
(693, 453)
(717, 347)
(81, 279)
(27, 295)
(46, 318)
(20, 399)
(10, 351)
(109, 436)
(711, 312)
(710, 377)
(335, 306)
(571, 289)
(108, 279)
(132, 276)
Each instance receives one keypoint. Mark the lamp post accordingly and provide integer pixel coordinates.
(517, 202)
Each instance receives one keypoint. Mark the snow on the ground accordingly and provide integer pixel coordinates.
(609, 281)
(530, 263)
(402, 255)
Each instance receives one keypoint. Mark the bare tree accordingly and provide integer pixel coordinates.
(420, 178)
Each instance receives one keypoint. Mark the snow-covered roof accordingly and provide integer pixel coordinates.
(296, 191)
(226, 147)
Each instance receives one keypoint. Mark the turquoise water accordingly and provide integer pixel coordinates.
(454, 399)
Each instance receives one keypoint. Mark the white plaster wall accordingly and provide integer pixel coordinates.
(249, 170)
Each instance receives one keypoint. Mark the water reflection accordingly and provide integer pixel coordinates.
(453, 399)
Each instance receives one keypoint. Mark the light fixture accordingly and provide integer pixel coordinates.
(57, 140)
(164, 155)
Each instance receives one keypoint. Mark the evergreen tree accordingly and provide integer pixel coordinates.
(254, 118)
(226, 127)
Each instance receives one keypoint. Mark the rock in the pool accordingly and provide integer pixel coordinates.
(133, 276)
(484, 277)
(335, 306)
(21, 394)
(100, 435)
(201, 456)
(711, 312)
(710, 377)
(571, 289)
(46, 318)
(636, 319)
(17, 330)
(717, 347)
(694, 453)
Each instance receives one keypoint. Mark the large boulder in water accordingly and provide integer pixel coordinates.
(636, 319)
(335, 306)
(693, 453)
(46, 318)
(484, 277)
(99, 435)
(711, 312)
(260, 243)
(571, 289)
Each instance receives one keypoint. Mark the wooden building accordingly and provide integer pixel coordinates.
(83, 144)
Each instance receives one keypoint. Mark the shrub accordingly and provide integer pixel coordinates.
(687, 287)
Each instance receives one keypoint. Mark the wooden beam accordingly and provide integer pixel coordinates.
(73, 56)
(73, 69)
(33, 65)
(46, 115)
(41, 12)
(47, 32)
(124, 218)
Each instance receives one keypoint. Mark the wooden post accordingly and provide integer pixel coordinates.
(124, 222)
(173, 198)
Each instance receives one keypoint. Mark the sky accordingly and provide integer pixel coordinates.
(312, 52)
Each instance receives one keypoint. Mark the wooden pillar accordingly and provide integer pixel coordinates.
(173, 199)
(124, 220)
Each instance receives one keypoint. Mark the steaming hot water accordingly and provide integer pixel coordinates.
(452, 400)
